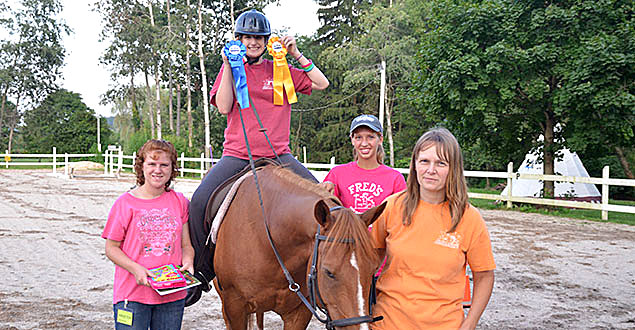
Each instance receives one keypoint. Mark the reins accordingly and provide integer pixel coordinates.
(293, 285)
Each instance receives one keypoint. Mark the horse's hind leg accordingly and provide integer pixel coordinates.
(297, 319)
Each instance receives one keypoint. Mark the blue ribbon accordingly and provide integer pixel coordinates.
(235, 51)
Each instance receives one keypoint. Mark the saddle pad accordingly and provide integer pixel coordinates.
(218, 219)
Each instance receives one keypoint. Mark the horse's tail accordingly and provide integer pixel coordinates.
(256, 319)
(260, 320)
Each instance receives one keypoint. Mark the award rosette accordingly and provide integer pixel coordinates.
(281, 74)
(235, 51)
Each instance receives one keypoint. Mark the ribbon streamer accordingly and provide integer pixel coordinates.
(281, 74)
(235, 51)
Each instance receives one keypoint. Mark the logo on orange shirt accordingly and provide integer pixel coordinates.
(450, 240)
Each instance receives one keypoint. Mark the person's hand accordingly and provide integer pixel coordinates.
(292, 48)
(187, 265)
(328, 186)
(224, 57)
(141, 275)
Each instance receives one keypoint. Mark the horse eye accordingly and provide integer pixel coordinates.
(329, 274)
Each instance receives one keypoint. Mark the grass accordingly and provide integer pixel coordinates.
(584, 214)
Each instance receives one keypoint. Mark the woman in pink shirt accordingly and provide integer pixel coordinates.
(365, 182)
(147, 228)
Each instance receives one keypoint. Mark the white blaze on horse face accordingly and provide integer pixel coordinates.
(360, 294)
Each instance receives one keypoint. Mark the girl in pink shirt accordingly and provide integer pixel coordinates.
(147, 228)
(365, 182)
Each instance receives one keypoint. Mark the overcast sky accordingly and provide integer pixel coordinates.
(83, 74)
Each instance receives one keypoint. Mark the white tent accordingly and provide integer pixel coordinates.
(569, 164)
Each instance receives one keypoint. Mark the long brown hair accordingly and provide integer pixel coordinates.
(146, 150)
(448, 150)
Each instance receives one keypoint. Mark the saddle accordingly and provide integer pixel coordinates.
(219, 194)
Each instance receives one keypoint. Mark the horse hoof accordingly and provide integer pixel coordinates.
(193, 295)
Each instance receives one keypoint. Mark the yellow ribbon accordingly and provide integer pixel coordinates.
(281, 74)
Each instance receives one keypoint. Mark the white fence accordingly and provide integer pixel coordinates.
(115, 162)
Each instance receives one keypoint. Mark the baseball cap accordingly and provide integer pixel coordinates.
(366, 120)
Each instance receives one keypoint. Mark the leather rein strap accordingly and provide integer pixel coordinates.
(293, 285)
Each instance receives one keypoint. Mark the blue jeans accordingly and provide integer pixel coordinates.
(167, 316)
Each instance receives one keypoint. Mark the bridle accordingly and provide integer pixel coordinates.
(314, 290)
(312, 277)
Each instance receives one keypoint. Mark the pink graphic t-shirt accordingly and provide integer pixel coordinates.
(362, 189)
(150, 234)
(275, 118)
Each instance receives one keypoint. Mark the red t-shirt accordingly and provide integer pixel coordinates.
(275, 118)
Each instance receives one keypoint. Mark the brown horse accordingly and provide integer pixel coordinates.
(250, 280)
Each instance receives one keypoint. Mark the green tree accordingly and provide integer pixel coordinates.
(387, 37)
(63, 121)
(30, 61)
(501, 73)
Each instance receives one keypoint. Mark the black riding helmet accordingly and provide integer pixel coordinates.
(256, 23)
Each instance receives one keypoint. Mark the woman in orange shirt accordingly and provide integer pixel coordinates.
(429, 234)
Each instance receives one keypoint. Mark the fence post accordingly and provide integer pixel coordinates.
(202, 164)
(304, 153)
(333, 160)
(182, 163)
(6, 159)
(119, 161)
(134, 160)
(605, 193)
(105, 161)
(66, 164)
(510, 174)
(112, 162)
(54, 160)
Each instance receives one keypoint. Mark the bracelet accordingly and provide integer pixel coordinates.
(299, 57)
(309, 68)
(306, 65)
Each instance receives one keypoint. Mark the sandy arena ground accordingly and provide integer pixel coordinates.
(552, 272)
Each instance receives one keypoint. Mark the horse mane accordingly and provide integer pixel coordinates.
(293, 179)
(348, 228)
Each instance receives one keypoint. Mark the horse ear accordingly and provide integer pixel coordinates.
(372, 214)
(322, 213)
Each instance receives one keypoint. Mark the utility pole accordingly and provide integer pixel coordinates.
(382, 92)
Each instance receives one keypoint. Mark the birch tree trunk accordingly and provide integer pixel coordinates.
(136, 114)
(170, 89)
(157, 79)
(201, 56)
(149, 101)
(188, 77)
(178, 109)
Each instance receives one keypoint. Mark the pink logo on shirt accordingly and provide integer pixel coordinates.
(157, 232)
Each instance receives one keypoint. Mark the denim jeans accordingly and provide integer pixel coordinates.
(167, 316)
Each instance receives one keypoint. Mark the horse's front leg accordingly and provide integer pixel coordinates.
(297, 319)
(234, 309)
